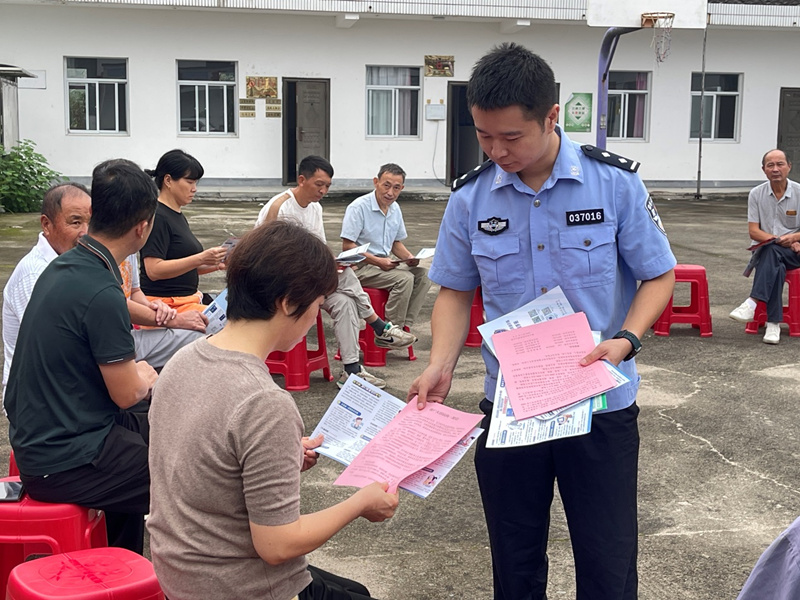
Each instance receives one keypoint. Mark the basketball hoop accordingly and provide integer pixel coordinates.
(661, 23)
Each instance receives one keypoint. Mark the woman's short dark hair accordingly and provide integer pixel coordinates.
(276, 261)
(178, 165)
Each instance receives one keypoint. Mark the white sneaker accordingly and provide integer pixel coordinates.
(744, 313)
(394, 337)
(366, 376)
(773, 334)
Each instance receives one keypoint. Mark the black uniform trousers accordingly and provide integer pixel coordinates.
(327, 586)
(597, 479)
(117, 482)
(773, 262)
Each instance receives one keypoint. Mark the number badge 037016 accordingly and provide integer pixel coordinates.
(589, 216)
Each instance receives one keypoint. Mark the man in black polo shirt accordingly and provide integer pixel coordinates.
(73, 373)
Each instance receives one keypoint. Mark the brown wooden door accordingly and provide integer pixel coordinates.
(789, 125)
(306, 122)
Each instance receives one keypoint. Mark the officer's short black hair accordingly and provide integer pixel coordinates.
(122, 196)
(512, 75)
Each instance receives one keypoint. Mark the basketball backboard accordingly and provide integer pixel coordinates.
(689, 14)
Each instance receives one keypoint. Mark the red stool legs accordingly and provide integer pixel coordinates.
(791, 312)
(30, 527)
(375, 356)
(297, 364)
(697, 313)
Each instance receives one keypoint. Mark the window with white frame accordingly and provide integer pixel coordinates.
(207, 96)
(97, 94)
(720, 108)
(393, 101)
(628, 104)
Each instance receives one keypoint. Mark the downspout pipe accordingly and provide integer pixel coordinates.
(607, 49)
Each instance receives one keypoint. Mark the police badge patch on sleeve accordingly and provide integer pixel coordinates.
(651, 208)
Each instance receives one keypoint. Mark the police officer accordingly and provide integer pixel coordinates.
(544, 212)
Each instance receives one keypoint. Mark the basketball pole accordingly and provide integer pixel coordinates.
(697, 194)
(607, 49)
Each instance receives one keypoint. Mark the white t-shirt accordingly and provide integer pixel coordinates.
(310, 217)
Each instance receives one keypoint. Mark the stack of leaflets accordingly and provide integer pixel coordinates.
(546, 394)
(381, 438)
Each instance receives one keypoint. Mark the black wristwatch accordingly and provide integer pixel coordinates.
(637, 345)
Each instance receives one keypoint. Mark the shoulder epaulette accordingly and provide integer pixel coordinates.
(470, 174)
(615, 160)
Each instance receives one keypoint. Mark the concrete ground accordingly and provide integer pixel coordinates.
(719, 469)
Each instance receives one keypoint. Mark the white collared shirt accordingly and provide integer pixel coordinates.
(17, 294)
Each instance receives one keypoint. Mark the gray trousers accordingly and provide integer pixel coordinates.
(407, 287)
(156, 346)
(348, 306)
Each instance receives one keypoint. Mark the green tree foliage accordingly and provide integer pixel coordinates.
(24, 177)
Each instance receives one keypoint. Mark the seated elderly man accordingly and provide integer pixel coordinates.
(73, 373)
(66, 209)
(376, 219)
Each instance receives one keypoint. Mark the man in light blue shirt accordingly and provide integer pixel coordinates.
(546, 212)
(376, 219)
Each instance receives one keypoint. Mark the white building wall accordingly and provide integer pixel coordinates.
(37, 37)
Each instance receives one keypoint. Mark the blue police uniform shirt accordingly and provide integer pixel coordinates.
(591, 229)
(364, 222)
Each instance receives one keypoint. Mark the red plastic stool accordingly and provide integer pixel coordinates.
(12, 465)
(474, 339)
(96, 574)
(791, 312)
(297, 364)
(698, 313)
(30, 527)
(375, 356)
